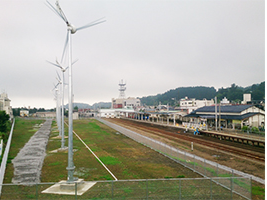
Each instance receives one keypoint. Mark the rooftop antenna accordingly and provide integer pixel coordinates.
(71, 29)
(122, 89)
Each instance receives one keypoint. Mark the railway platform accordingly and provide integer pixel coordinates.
(249, 139)
(236, 137)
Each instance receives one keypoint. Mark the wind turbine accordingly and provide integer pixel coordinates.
(71, 29)
(63, 70)
(57, 107)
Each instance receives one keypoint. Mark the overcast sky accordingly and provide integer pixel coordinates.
(154, 46)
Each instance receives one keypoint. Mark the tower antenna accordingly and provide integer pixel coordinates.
(122, 89)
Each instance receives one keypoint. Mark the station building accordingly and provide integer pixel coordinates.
(230, 116)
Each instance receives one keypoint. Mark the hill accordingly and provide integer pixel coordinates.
(94, 106)
(233, 93)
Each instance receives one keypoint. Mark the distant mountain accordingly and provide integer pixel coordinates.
(102, 105)
(233, 93)
(86, 106)
(172, 96)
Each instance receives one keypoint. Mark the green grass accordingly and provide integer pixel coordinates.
(256, 190)
(55, 163)
(108, 160)
(126, 158)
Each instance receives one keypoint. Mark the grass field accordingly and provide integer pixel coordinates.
(125, 158)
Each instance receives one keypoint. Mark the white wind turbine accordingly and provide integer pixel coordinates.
(62, 82)
(71, 30)
(57, 99)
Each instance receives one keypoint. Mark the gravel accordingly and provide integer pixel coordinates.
(29, 161)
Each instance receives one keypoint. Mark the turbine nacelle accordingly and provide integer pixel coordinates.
(72, 28)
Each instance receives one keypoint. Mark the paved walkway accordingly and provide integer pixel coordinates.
(29, 161)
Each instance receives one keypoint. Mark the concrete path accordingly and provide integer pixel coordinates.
(29, 161)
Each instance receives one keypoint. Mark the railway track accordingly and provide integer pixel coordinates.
(246, 151)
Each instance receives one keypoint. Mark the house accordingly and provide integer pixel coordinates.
(230, 116)
(24, 113)
(5, 104)
(85, 113)
(225, 101)
(193, 104)
(46, 114)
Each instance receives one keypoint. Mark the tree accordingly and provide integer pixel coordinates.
(4, 125)
(3, 121)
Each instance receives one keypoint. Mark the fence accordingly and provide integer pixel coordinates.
(5, 157)
(194, 126)
(184, 188)
(199, 165)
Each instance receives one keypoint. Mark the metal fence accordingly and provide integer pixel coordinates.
(5, 157)
(206, 168)
(183, 188)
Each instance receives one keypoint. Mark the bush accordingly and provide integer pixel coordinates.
(245, 128)
(4, 136)
(255, 130)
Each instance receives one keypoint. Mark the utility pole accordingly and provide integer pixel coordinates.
(220, 116)
(216, 128)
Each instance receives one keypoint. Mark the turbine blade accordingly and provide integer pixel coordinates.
(65, 46)
(62, 13)
(74, 61)
(54, 64)
(55, 10)
(72, 64)
(59, 79)
(54, 87)
(91, 24)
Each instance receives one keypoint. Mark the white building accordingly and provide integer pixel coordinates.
(24, 113)
(225, 101)
(5, 104)
(115, 113)
(246, 98)
(129, 102)
(193, 104)
(107, 113)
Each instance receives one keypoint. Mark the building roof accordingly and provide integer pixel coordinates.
(224, 109)
(235, 111)
(232, 117)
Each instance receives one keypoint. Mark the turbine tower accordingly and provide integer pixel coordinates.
(71, 29)
(122, 89)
